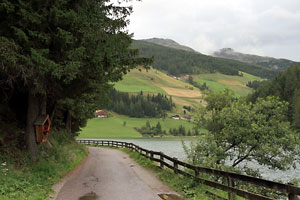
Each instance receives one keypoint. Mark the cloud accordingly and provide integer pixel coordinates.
(269, 27)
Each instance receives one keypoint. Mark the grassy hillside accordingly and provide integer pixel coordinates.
(154, 81)
(113, 127)
(182, 93)
(218, 82)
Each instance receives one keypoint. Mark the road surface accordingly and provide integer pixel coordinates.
(110, 174)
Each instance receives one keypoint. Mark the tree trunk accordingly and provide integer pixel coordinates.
(69, 122)
(32, 114)
(43, 105)
(53, 112)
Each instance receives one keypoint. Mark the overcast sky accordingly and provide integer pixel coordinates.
(263, 27)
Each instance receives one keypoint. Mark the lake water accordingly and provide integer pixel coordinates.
(173, 147)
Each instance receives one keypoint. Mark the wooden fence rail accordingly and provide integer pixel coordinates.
(187, 169)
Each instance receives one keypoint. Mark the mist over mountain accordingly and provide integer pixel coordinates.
(179, 62)
(268, 62)
(169, 43)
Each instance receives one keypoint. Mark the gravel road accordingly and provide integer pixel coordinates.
(109, 174)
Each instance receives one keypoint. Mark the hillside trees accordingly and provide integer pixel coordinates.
(59, 56)
(241, 132)
(286, 86)
(180, 62)
(140, 105)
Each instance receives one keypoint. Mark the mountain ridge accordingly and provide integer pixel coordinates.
(179, 62)
(169, 43)
(264, 61)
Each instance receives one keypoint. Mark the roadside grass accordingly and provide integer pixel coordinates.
(21, 179)
(188, 187)
(113, 127)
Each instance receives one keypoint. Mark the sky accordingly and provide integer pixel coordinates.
(261, 27)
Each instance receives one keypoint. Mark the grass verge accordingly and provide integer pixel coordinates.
(189, 188)
(21, 179)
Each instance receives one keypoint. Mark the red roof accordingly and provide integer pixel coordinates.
(100, 112)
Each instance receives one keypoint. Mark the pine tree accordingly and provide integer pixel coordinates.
(62, 55)
(158, 128)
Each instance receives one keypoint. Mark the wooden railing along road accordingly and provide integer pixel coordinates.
(186, 169)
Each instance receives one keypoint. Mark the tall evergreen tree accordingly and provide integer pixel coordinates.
(62, 53)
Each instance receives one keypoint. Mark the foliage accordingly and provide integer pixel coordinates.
(286, 86)
(21, 180)
(254, 84)
(181, 131)
(202, 87)
(151, 131)
(59, 57)
(140, 105)
(241, 131)
(178, 62)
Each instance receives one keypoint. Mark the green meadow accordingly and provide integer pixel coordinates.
(113, 127)
(134, 84)
(219, 82)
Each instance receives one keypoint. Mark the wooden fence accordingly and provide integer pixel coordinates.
(189, 170)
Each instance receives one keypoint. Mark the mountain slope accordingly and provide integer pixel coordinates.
(267, 62)
(154, 81)
(287, 87)
(179, 62)
(183, 93)
(168, 43)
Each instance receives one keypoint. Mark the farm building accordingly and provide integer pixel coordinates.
(100, 114)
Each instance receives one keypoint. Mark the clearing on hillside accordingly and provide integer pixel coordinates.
(154, 81)
(219, 82)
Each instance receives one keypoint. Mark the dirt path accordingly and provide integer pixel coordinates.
(109, 174)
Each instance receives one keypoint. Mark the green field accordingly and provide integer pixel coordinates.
(153, 81)
(134, 84)
(219, 82)
(113, 127)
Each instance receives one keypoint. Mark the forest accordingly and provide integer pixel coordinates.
(57, 59)
(140, 105)
(178, 62)
(286, 86)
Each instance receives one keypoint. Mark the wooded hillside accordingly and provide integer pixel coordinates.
(178, 62)
(287, 87)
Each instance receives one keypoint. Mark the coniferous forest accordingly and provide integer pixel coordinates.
(178, 62)
(140, 105)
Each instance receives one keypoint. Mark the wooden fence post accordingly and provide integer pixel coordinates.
(175, 165)
(230, 184)
(151, 155)
(293, 196)
(161, 160)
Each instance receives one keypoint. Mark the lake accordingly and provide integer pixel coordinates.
(173, 147)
